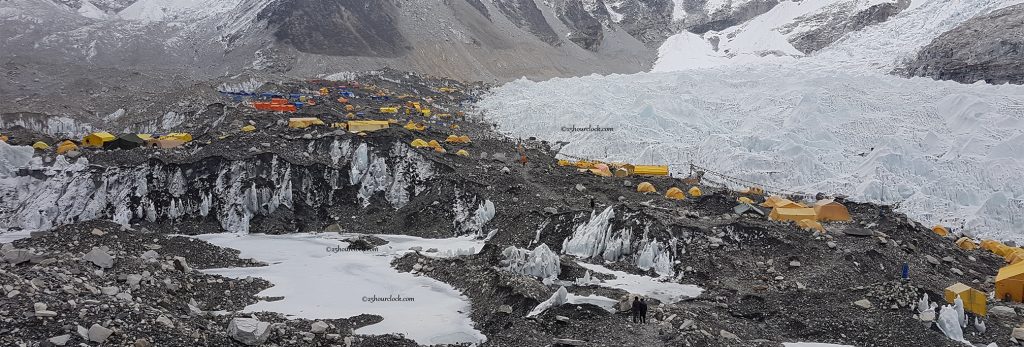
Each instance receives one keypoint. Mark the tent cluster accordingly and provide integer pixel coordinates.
(673, 193)
(108, 141)
(436, 146)
(1009, 281)
(616, 169)
(805, 217)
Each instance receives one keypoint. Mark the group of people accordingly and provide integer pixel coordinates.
(639, 310)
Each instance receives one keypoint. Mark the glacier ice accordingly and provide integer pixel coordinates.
(541, 262)
(949, 323)
(560, 297)
(941, 154)
(13, 157)
(597, 239)
(234, 192)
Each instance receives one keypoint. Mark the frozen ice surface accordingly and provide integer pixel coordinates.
(318, 284)
(667, 292)
(945, 151)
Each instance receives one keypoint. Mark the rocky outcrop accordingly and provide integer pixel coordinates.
(830, 25)
(986, 48)
(701, 19)
(333, 27)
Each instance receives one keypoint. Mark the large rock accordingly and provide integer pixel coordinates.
(249, 331)
(1002, 311)
(985, 48)
(17, 256)
(99, 333)
(99, 258)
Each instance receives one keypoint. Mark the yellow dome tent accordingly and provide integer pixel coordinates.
(675, 194)
(829, 210)
(419, 143)
(440, 150)
(40, 146)
(248, 128)
(966, 244)
(601, 170)
(462, 153)
(941, 230)
(745, 200)
(434, 144)
(415, 127)
(66, 146)
(695, 192)
(990, 245)
(646, 187)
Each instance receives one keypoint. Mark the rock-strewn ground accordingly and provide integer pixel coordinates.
(765, 282)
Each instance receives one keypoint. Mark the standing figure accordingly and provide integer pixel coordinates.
(636, 309)
(643, 311)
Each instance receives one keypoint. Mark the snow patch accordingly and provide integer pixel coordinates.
(317, 283)
(667, 292)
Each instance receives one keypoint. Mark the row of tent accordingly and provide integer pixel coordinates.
(109, 141)
(1009, 281)
(420, 143)
(673, 193)
(616, 169)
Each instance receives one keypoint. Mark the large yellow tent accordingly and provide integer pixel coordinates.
(974, 300)
(828, 210)
(646, 187)
(966, 244)
(777, 201)
(675, 194)
(356, 126)
(1011, 252)
(792, 214)
(695, 192)
(651, 170)
(1010, 283)
(941, 230)
(97, 139)
(990, 245)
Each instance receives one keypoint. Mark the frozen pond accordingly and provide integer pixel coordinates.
(319, 280)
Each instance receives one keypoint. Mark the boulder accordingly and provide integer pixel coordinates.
(506, 309)
(249, 331)
(318, 327)
(17, 256)
(1002, 311)
(863, 303)
(98, 333)
(60, 340)
(99, 258)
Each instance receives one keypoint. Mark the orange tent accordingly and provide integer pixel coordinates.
(829, 210)
(675, 194)
(941, 230)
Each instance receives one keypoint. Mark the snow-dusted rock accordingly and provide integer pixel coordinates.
(249, 331)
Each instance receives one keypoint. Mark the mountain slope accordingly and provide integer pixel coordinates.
(986, 48)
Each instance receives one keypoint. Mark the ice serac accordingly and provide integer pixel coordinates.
(472, 222)
(13, 157)
(541, 262)
(945, 155)
(559, 298)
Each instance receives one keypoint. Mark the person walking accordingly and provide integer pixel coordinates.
(636, 309)
(643, 311)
